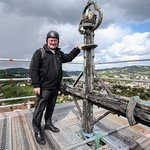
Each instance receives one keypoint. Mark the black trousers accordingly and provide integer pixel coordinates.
(46, 100)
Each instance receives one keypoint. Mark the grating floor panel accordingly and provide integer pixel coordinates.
(135, 137)
(5, 142)
(16, 132)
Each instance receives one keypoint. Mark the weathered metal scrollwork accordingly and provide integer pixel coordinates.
(113, 103)
(88, 19)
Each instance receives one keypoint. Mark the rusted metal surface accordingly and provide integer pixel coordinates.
(87, 26)
(114, 103)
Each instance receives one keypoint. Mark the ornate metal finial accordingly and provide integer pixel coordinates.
(88, 20)
(87, 26)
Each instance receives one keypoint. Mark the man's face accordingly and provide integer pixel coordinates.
(52, 43)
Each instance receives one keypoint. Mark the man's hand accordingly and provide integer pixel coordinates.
(80, 46)
(37, 90)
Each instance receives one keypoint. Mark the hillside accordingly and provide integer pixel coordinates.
(128, 69)
(14, 70)
(23, 70)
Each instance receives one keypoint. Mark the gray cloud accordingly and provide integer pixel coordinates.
(70, 10)
(55, 11)
(24, 24)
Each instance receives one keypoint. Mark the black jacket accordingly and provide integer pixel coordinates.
(47, 73)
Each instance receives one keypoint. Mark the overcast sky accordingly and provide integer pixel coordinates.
(124, 33)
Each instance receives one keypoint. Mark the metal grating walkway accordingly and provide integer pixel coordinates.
(16, 131)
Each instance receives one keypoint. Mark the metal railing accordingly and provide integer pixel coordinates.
(143, 103)
(28, 79)
(96, 63)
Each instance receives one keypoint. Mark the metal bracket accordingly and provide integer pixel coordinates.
(130, 110)
(89, 46)
(87, 135)
(101, 117)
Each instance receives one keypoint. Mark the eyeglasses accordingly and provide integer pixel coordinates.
(55, 41)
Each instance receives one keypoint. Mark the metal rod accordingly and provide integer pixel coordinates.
(15, 79)
(17, 60)
(146, 81)
(81, 73)
(122, 79)
(123, 61)
(99, 63)
(101, 117)
(77, 105)
(22, 79)
(132, 80)
(6, 106)
(16, 98)
(93, 138)
(102, 83)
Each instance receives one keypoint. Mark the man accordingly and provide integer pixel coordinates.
(46, 76)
